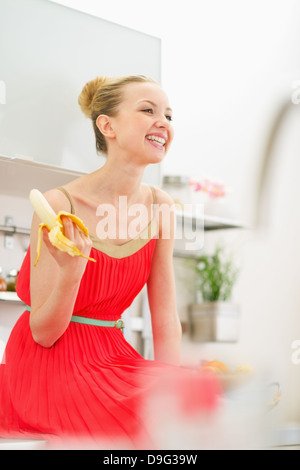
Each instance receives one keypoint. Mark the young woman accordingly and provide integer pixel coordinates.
(68, 371)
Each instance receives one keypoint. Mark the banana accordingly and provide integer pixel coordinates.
(53, 223)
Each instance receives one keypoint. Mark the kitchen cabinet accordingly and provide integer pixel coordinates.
(42, 75)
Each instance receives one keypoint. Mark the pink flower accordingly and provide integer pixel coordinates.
(213, 189)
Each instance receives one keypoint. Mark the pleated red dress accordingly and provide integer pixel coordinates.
(91, 385)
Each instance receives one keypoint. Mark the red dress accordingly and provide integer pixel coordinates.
(91, 385)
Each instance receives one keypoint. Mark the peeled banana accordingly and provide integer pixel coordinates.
(53, 223)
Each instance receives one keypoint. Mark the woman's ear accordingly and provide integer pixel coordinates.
(104, 125)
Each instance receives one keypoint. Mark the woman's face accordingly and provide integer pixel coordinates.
(142, 127)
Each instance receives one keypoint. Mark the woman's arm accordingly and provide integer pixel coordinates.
(166, 326)
(55, 280)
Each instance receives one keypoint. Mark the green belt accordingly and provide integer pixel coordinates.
(119, 324)
(93, 321)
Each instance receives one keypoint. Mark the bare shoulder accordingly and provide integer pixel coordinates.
(166, 216)
(57, 200)
(162, 197)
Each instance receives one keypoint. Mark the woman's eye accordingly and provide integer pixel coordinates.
(150, 111)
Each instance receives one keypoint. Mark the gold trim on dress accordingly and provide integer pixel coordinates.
(131, 246)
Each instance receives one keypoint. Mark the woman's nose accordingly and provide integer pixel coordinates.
(163, 122)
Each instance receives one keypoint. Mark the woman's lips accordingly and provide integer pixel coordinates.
(156, 145)
(157, 140)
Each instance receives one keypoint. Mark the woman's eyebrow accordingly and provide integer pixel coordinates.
(153, 104)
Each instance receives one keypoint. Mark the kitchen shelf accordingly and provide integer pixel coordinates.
(18, 176)
(209, 222)
(206, 223)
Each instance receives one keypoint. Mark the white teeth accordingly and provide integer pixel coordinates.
(157, 139)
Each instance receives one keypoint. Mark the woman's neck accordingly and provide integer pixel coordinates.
(116, 179)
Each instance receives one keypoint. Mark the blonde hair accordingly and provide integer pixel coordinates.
(103, 95)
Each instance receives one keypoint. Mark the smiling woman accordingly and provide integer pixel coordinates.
(103, 96)
(109, 101)
(70, 375)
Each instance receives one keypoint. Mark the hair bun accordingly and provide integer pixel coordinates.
(88, 93)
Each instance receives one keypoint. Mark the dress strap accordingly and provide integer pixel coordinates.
(153, 194)
(67, 194)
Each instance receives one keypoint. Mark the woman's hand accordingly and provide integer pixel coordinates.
(69, 264)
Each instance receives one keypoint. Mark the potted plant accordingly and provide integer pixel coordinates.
(215, 317)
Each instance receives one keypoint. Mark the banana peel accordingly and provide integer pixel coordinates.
(53, 222)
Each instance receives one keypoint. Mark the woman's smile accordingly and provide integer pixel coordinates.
(157, 140)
